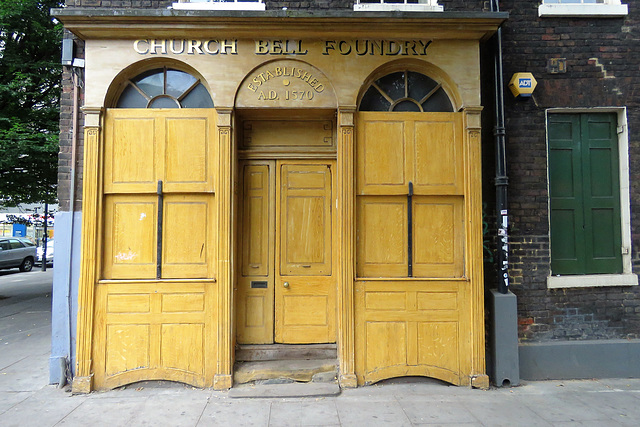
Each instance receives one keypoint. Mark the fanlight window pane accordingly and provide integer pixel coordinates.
(151, 83)
(406, 91)
(197, 98)
(179, 82)
(132, 98)
(165, 88)
(164, 102)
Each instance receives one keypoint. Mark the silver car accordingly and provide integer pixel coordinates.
(17, 252)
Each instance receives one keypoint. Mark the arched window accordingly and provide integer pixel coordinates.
(406, 91)
(165, 88)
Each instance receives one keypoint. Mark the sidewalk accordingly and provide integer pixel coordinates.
(27, 400)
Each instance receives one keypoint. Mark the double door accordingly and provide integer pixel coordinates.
(285, 285)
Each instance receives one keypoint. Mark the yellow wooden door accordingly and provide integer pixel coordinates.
(156, 294)
(286, 286)
(414, 287)
(304, 285)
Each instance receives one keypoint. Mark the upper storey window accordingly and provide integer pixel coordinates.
(401, 5)
(219, 5)
(573, 8)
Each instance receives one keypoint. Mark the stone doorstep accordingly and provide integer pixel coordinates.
(295, 370)
(285, 390)
(248, 353)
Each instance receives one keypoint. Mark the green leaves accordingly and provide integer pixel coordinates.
(30, 76)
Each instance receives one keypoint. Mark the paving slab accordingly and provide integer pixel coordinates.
(219, 412)
(309, 412)
(368, 413)
(46, 408)
(502, 410)
(625, 409)
(175, 410)
(558, 407)
(113, 412)
(436, 411)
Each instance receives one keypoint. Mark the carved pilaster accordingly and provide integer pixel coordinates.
(473, 213)
(83, 381)
(224, 198)
(346, 250)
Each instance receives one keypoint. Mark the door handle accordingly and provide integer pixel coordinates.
(285, 284)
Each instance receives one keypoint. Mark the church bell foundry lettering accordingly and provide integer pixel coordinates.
(286, 83)
(283, 47)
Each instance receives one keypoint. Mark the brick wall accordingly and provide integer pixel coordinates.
(66, 136)
(602, 71)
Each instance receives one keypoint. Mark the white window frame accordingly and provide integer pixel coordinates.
(579, 8)
(627, 278)
(382, 6)
(219, 5)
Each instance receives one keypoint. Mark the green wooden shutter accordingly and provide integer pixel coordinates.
(601, 186)
(584, 193)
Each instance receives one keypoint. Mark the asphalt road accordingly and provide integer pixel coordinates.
(16, 286)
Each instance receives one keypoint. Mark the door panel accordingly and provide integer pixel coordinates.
(305, 220)
(286, 291)
(305, 288)
(257, 245)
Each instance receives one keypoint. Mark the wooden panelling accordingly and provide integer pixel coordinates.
(412, 327)
(190, 339)
(182, 303)
(289, 135)
(382, 239)
(188, 245)
(164, 329)
(425, 149)
(188, 157)
(305, 220)
(437, 344)
(382, 156)
(256, 237)
(130, 153)
(437, 153)
(128, 303)
(438, 241)
(128, 348)
(386, 344)
(129, 237)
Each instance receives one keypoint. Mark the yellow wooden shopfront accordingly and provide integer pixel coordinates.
(314, 181)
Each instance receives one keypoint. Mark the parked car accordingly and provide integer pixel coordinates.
(49, 253)
(17, 252)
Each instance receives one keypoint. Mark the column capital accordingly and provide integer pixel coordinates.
(92, 116)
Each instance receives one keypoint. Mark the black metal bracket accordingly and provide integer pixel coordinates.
(410, 230)
(159, 231)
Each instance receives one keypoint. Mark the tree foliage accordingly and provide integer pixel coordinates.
(30, 74)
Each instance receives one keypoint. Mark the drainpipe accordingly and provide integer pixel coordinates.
(501, 180)
(505, 360)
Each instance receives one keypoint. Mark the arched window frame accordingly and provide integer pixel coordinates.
(432, 92)
(195, 89)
